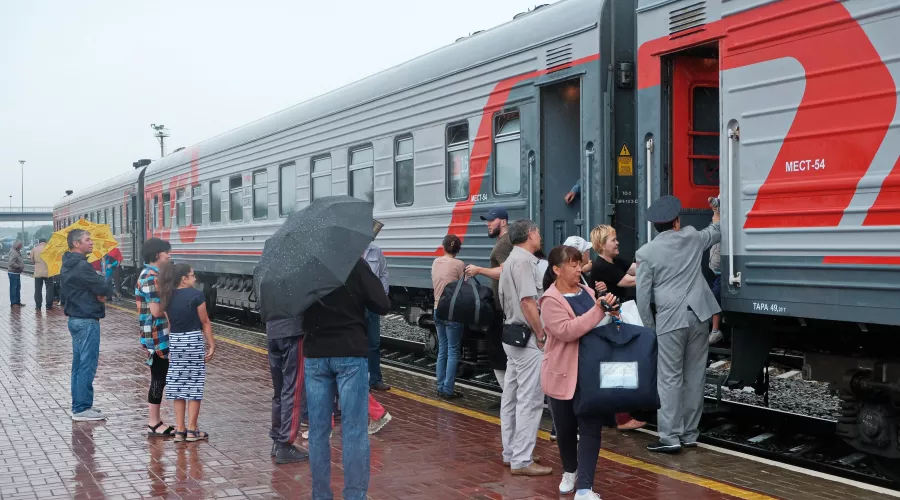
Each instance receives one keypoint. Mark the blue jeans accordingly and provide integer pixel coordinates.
(374, 325)
(85, 354)
(449, 334)
(349, 375)
(15, 288)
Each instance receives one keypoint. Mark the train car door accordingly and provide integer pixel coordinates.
(560, 161)
(695, 125)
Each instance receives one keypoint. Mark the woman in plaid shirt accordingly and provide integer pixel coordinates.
(154, 330)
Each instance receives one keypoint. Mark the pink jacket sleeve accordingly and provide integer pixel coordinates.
(559, 323)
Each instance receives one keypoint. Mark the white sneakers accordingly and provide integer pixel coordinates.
(589, 495)
(89, 415)
(567, 485)
(715, 337)
(376, 425)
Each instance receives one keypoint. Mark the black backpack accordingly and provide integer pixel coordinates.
(466, 301)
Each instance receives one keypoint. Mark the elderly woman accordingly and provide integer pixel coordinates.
(617, 276)
(569, 310)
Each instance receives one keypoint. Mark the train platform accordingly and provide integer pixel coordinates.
(430, 450)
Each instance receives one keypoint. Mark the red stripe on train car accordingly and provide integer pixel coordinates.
(217, 252)
(481, 152)
(837, 56)
(862, 259)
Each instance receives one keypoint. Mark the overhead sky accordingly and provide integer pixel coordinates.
(82, 81)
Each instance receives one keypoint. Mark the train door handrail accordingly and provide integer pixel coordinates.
(734, 277)
(649, 160)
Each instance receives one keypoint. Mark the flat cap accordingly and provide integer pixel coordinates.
(664, 209)
(578, 243)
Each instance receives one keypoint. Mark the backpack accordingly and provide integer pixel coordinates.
(616, 370)
(466, 301)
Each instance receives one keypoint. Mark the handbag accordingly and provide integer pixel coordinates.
(515, 335)
(629, 313)
(466, 301)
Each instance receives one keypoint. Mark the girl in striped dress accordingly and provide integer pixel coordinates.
(189, 325)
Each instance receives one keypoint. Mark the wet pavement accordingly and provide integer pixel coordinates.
(431, 449)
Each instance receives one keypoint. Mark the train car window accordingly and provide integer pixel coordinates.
(113, 220)
(215, 202)
(167, 210)
(458, 161)
(287, 189)
(507, 154)
(180, 209)
(125, 219)
(404, 172)
(362, 173)
(196, 205)
(705, 136)
(260, 195)
(321, 177)
(106, 216)
(235, 208)
(91, 216)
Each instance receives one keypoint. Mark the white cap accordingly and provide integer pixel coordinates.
(578, 243)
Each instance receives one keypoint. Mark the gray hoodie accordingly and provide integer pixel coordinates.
(16, 263)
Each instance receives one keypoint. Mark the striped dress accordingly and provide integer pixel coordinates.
(187, 347)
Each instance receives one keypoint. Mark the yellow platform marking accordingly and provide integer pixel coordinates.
(608, 455)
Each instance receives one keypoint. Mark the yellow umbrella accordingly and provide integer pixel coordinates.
(58, 244)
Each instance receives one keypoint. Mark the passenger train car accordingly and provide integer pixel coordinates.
(795, 100)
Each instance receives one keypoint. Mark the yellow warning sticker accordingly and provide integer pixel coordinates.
(624, 151)
(626, 166)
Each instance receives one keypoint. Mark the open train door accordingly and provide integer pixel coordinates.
(695, 125)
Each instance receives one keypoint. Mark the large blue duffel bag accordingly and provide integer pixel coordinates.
(617, 370)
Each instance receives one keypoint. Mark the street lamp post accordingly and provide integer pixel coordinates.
(22, 163)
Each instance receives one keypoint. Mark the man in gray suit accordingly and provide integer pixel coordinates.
(669, 275)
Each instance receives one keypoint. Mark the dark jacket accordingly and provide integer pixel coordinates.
(80, 285)
(284, 328)
(336, 326)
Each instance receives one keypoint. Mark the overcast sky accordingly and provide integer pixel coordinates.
(82, 81)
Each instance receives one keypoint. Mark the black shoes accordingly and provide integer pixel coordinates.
(380, 386)
(288, 453)
(660, 447)
(689, 445)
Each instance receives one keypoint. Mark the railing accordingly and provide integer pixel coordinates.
(17, 210)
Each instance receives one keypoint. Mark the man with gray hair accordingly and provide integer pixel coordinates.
(522, 403)
(84, 292)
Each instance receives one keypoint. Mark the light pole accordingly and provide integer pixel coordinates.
(22, 163)
(161, 134)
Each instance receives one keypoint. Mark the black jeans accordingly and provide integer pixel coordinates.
(577, 455)
(39, 284)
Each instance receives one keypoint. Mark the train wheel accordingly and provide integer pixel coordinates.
(431, 344)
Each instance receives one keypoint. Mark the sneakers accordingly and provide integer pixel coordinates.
(89, 415)
(660, 447)
(715, 337)
(692, 444)
(286, 454)
(567, 485)
(533, 470)
(305, 434)
(377, 425)
(587, 495)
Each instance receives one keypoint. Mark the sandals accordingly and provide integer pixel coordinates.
(153, 430)
(196, 435)
(180, 436)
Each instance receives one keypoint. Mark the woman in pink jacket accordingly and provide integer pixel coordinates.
(569, 310)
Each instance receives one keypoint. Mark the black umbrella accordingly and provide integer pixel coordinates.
(311, 255)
